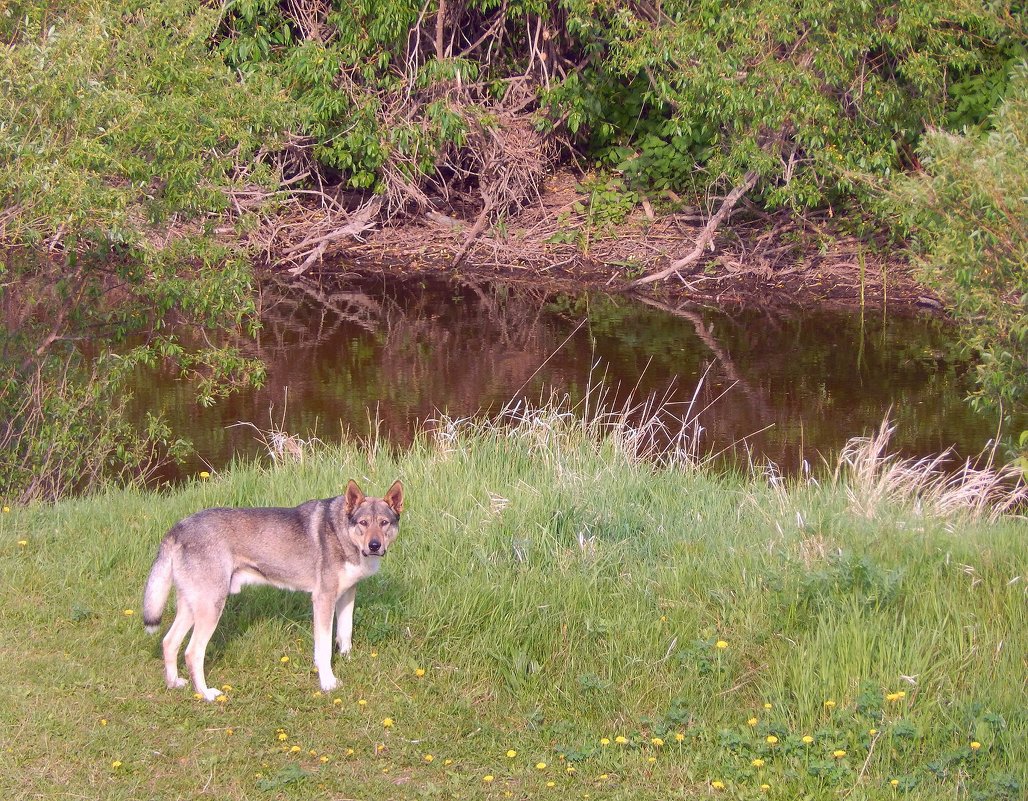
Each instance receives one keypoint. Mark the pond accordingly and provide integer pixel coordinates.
(350, 354)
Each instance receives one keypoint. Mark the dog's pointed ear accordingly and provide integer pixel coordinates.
(394, 497)
(353, 497)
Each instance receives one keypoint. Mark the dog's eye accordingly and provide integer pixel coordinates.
(383, 522)
(363, 523)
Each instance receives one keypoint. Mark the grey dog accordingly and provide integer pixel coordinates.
(322, 547)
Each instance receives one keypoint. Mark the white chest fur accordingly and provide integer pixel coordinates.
(351, 572)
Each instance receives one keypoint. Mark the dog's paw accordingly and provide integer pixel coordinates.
(210, 694)
(344, 647)
(329, 683)
(176, 683)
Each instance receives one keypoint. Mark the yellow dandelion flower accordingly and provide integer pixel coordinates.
(204, 474)
(767, 705)
(230, 732)
(975, 745)
(570, 770)
(829, 704)
(362, 702)
(765, 787)
(294, 750)
(717, 785)
(751, 722)
(679, 737)
(323, 759)
(312, 752)
(838, 753)
(657, 741)
(621, 740)
(872, 732)
(388, 723)
(226, 688)
(721, 644)
(604, 741)
(284, 660)
(488, 778)
(116, 764)
(894, 782)
(447, 761)
(428, 757)
(374, 654)
(337, 701)
(129, 612)
(222, 698)
(807, 739)
(540, 766)
(651, 759)
(23, 543)
(771, 739)
(283, 736)
(7, 509)
(511, 753)
(758, 763)
(419, 672)
(349, 752)
(103, 721)
(551, 784)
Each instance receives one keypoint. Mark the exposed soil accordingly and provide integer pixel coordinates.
(757, 260)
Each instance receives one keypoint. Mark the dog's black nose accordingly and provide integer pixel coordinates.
(374, 545)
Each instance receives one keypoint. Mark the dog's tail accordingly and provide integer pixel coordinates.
(158, 585)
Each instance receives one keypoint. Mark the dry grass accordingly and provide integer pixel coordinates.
(875, 478)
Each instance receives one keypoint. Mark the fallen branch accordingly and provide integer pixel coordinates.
(315, 248)
(707, 234)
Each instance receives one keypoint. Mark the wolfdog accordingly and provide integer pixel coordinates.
(322, 547)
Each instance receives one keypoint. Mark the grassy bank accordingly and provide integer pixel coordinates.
(558, 620)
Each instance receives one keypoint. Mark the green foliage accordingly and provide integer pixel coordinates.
(122, 137)
(968, 216)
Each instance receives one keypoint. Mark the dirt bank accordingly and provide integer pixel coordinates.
(757, 260)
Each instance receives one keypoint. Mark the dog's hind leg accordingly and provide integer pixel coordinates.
(205, 620)
(173, 642)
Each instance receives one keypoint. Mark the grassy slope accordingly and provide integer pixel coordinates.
(532, 641)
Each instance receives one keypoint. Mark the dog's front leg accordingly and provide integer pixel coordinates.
(344, 620)
(323, 610)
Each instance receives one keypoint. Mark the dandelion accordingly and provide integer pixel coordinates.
(488, 778)
(551, 784)
(838, 753)
(570, 770)
(604, 741)
(419, 672)
(621, 740)
(447, 761)
(116, 764)
(23, 543)
(388, 723)
(872, 732)
(679, 737)
(129, 612)
(294, 750)
(7, 510)
(312, 752)
(284, 660)
(758, 763)
(374, 654)
(896, 696)
(721, 644)
(975, 745)
(282, 736)
(829, 704)
(337, 701)
(349, 752)
(222, 698)
(540, 766)
(226, 688)
(103, 721)
(765, 787)
(323, 760)
(511, 753)
(767, 706)
(717, 785)
(428, 757)
(362, 702)
(771, 739)
(894, 782)
(652, 760)
(751, 722)
(230, 732)
(204, 474)
(657, 741)
(807, 739)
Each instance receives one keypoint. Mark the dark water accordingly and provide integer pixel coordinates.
(786, 389)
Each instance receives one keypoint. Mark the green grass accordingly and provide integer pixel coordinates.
(555, 591)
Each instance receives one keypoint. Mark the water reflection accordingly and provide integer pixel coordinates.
(341, 354)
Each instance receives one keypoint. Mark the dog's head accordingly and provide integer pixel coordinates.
(372, 523)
